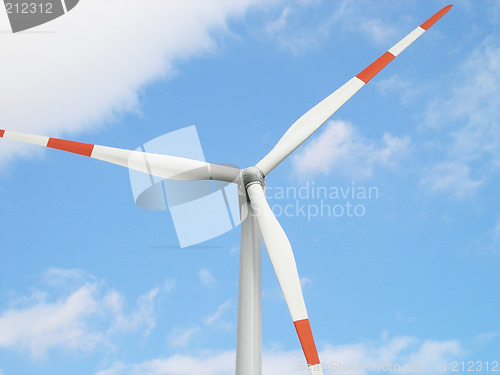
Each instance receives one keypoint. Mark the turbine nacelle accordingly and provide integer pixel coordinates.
(252, 175)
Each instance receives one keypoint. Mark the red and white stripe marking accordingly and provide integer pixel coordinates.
(338, 98)
(59, 144)
(163, 166)
(26, 138)
(304, 332)
(311, 121)
(387, 57)
(281, 255)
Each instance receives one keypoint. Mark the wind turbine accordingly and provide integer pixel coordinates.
(259, 221)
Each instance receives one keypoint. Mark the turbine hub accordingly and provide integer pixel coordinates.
(252, 175)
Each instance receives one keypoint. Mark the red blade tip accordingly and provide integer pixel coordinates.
(436, 17)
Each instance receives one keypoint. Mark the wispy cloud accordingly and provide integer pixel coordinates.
(407, 89)
(57, 277)
(402, 350)
(305, 281)
(67, 318)
(144, 317)
(290, 32)
(375, 29)
(469, 116)
(206, 277)
(404, 318)
(341, 148)
(83, 320)
(451, 177)
(216, 316)
(182, 337)
(209, 364)
(488, 243)
(276, 25)
(486, 338)
(179, 338)
(46, 325)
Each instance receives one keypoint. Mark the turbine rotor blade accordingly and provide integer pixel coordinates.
(283, 261)
(163, 166)
(311, 121)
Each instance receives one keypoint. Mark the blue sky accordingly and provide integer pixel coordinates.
(91, 284)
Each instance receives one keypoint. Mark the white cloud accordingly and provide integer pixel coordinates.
(292, 34)
(378, 31)
(394, 82)
(278, 24)
(87, 318)
(235, 249)
(496, 231)
(369, 20)
(488, 243)
(144, 317)
(69, 320)
(398, 350)
(45, 325)
(340, 148)
(206, 278)
(302, 40)
(451, 177)
(407, 89)
(474, 95)
(95, 60)
(215, 317)
(435, 352)
(403, 317)
(57, 277)
(181, 338)
(305, 281)
(209, 364)
(470, 115)
(486, 338)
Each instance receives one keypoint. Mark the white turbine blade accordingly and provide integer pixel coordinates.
(283, 261)
(163, 166)
(305, 126)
